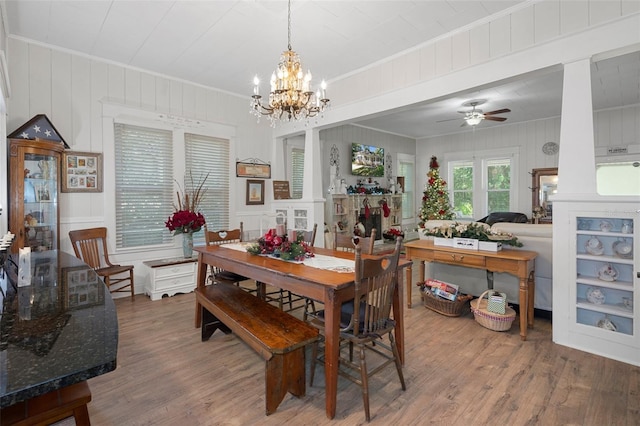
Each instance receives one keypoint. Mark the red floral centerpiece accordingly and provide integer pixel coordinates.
(392, 234)
(275, 245)
(187, 219)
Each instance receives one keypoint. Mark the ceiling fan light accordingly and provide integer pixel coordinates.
(474, 120)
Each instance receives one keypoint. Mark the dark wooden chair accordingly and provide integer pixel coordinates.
(364, 322)
(285, 299)
(90, 245)
(225, 237)
(345, 241)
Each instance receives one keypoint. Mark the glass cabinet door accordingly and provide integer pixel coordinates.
(41, 201)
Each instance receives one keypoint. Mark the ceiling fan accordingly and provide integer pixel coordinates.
(475, 116)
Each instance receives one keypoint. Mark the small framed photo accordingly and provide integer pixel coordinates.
(83, 287)
(255, 192)
(82, 172)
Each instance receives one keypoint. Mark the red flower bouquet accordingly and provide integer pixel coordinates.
(185, 221)
(279, 246)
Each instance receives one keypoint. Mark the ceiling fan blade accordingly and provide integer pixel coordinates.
(464, 123)
(495, 118)
(450, 119)
(499, 111)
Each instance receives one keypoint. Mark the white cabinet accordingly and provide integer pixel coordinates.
(603, 297)
(337, 211)
(171, 276)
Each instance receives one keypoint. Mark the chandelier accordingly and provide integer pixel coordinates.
(290, 97)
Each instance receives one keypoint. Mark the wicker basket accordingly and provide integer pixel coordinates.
(491, 320)
(455, 308)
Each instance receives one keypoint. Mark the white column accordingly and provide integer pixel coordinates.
(312, 187)
(576, 160)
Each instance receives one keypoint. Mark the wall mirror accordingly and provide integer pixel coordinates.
(544, 184)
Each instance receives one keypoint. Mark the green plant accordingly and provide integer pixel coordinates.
(473, 230)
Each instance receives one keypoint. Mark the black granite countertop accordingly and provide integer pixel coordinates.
(59, 330)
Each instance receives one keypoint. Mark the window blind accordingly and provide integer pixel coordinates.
(204, 154)
(297, 172)
(144, 185)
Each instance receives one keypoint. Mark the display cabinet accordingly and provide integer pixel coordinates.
(34, 188)
(604, 290)
(337, 211)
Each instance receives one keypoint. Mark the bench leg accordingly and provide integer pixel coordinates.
(284, 373)
(210, 324)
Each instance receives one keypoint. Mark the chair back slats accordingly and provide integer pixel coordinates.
(90, 245)
(375, 284)
(310, 236)
(223, 236)
(344, 241)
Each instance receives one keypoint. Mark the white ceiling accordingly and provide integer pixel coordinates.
(223, 44)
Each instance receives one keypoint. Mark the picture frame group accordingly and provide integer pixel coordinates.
(82, 172)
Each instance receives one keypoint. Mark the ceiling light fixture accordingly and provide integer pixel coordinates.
(474, 118)
(290, 97)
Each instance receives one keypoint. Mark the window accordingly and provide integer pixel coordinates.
(406, 167)
(484, 184)
(462, 188)
(297, 172)
(207, 155)
(144, 185)
(498, 185)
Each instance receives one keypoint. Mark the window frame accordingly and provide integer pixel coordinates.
(480, 161)
(117, 113)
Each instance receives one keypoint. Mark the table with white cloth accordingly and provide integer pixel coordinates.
(327, 277)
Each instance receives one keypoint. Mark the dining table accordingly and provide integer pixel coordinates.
(330, 281)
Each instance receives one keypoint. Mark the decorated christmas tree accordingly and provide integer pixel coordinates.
(435, 198)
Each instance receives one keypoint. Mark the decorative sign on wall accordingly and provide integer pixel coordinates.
(81, 172)
(254, 168)
(281, 190)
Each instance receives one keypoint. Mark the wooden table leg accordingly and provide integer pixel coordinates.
(398, 316)
(524, 307)
(202, 276)
(331, 353)
(409, 274)
(531, 295)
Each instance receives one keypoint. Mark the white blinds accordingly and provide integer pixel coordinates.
(210, 155)
(144, 185)
(297, 172)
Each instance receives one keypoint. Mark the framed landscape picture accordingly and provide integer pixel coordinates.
(255, 192)
(81, 172)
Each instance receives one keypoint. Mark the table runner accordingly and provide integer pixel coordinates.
(319, 261)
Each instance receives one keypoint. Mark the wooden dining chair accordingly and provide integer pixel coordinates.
(90, 245)
(284, 298)
(345, 241)
(364, 321)
(225, 237)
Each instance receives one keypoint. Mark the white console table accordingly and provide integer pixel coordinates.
(171, 276)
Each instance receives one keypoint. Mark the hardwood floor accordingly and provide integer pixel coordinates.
(457, 373)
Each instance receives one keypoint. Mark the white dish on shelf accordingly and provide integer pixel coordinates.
(607, 273)
(594, 246)
(606, 226)
(623, 249)
(607, 324)
(595, 296)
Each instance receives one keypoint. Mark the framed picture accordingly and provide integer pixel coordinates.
(83, 287)
(255, 192)
(281, 190)
(81, 172)
(254, 170)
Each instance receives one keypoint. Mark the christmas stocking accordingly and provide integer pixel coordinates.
(385, 208)
(367, 211)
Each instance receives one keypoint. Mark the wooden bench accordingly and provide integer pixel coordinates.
(51, 407)
(277, 336)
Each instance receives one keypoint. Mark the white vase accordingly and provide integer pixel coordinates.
(187, 244)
